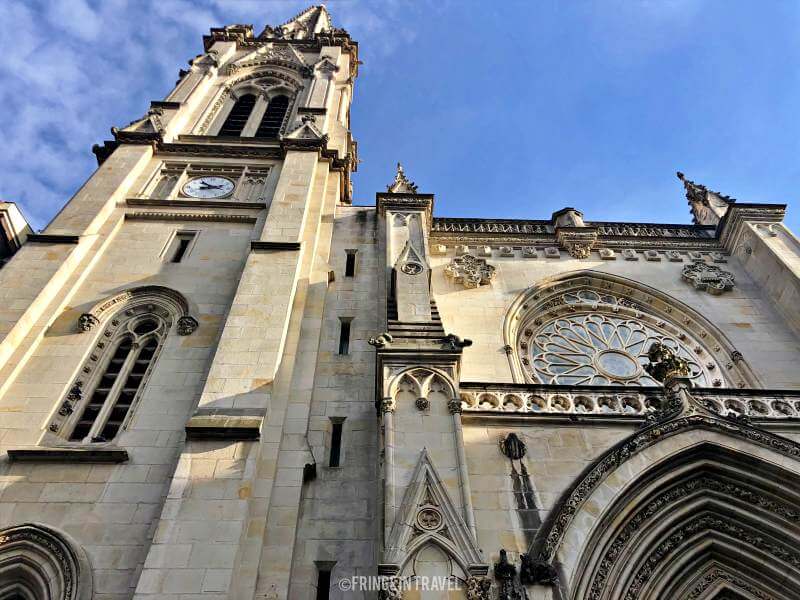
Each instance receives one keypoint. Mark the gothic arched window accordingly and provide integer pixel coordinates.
(237, 118)
(122, 358)
(273, 117)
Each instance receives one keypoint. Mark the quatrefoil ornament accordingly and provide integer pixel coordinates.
(470, 271)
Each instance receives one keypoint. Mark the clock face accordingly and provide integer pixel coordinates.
(208, 187)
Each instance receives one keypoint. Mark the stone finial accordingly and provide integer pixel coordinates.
(664, 364)
(707, 206)
(401, 183)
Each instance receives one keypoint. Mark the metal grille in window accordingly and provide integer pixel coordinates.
(237, 118)
(271, 123)
(131, 343)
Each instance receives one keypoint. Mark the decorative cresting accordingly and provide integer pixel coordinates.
(41, 563)
(169, 300)
(592, 328)
(470, 271)
(428, 516)
(709, 278)
(681, 413)
(600, 402)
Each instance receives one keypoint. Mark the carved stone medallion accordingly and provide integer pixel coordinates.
(470, 271)
(708, 278)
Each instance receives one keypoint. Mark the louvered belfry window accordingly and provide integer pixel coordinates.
(273, 117)
(237, 118)
(131, 345)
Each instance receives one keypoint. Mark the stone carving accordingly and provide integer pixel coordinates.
(470, 271)
(665, 364)
(629, 254)
(707, 206)
(86, 322)
(422, 403)
(187, 325)
(454, 343)
(387, 405)
(607, 254)
(66, 409)
(478, 588)
(411, 268)
(380, 341)
(513, 447)
(391, 588)
(578, 249)
(536, 572)
(401, 183)
(75, 393)
(454, 405)
(506, 574)
(429, 519)
(707, 277)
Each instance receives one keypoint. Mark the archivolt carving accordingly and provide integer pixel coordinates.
(551, 535)
(590, 327)
(37, 561)
(171, 302)
(269, 77)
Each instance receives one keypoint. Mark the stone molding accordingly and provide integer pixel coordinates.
(226, 424)
(48, 562)
(684, 413)
(194, 204)
(187, 216)
(427, 514)
(50, 238)
(265, 246)
(70, 454)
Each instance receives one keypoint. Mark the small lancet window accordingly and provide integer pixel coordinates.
(350, 264)
(180, 246)
(344, 335)
(273, 117)
(237, 118)
(133, 342)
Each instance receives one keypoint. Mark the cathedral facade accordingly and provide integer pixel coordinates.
(220, 380)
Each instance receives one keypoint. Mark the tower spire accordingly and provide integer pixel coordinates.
(707, 206)
(305, 25)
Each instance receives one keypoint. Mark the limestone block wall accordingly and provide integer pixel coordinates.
(339, 519)
(745, 315)
(112, 509)
(557, 453)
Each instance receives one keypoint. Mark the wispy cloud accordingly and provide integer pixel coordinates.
(77, 67)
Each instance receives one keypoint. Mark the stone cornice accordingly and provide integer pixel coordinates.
(404, 202)
(194, 204)
(738, 214)
(189, 216)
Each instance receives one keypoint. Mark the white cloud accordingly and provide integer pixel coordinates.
(77, 67)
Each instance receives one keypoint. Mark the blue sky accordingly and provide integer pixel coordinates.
(502, 109)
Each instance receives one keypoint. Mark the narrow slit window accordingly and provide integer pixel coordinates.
(272, 120)
(181, 246)
(323, 583)
(237, 118)
(344, 336)
(350, 264)
(336, 445)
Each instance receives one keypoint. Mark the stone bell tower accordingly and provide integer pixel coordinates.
(168, 299)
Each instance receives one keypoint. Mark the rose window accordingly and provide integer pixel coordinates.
(600, 349)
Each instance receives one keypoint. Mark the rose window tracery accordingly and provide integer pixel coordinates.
(601, 349)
